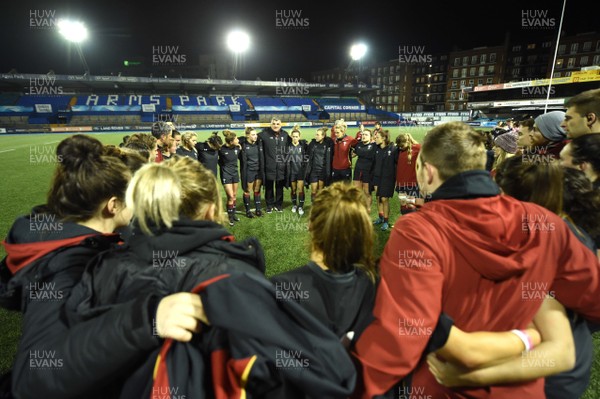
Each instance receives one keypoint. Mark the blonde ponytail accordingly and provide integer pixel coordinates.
(154, 196)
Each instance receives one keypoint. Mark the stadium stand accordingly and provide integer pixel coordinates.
(289, 109)
(9, 98)
(133, 111)
(104, 103)
(349, 109)
(138, 110)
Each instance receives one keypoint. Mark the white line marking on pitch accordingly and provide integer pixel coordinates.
(52, 142)
(12, 149)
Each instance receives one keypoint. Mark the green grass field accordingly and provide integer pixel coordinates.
(27, 164)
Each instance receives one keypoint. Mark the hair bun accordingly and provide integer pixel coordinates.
(78, 150)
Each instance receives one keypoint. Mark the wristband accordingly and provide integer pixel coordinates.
(531, 344)
(523, 336)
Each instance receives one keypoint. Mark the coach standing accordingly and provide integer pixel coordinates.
(275, 142)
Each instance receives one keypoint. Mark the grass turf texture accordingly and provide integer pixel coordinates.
(28, 166)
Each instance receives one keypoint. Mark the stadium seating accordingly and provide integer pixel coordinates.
(284, 117)
(133, 111)
(348, 116)
(9, 98)
(57, 102)
(14, 120)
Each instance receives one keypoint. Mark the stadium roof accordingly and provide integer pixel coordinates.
(76, 84)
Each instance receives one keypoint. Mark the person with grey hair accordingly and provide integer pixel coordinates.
(274, 141)
(548, 137)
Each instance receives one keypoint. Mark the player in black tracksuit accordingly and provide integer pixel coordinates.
(274, 141)
(252, 164)
(188, 146)
(229, 155)
(297, 158)
(384, 176)
(363, 169)
(338, 285)
(318, 167)
(208, 152)
(333, 276)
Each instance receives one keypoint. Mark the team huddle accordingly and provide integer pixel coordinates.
(488, 289)
(276, 159)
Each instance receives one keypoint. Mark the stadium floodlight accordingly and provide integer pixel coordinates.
(358, 51)
(238, 41)
(75, 32)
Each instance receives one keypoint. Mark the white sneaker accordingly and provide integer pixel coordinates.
(300, 211)
(294, 208)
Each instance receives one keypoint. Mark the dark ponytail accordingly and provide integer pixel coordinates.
(214, 141)
(131, 158)
(229, 137)
(84, 178)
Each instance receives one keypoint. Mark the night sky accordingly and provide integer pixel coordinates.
(122, 30)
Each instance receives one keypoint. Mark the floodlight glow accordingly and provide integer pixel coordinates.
(358, 51)
(238, 41)
(73, 31)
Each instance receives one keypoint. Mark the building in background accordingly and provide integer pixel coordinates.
(528, 60)
(429, 85)
(445, 83)
(394, 80)
(469, 68)
(574, 53)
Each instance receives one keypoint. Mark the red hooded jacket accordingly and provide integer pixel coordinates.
(487, 261)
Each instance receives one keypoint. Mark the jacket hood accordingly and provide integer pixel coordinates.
(35, 235)
(471, 184)
(188, 235)
(495, 231)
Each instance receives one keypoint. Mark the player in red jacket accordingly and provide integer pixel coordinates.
(342, 144)
(485, 259)
(406, 175)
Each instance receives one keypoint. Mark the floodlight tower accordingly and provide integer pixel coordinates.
(75, 32)
(357, 53)
(238, 42)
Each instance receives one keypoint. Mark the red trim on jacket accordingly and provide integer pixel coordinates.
(22, 255)
(161, 372)
(230, 376)
(229, 238)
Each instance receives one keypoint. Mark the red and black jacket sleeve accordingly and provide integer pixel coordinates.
(262, 332)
